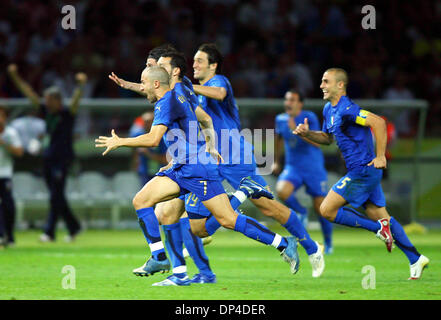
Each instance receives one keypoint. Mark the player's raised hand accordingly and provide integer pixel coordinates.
(120, 82)
(81, 78)
(110, 143)
(12, 68)
(302, 129)
(378, 162)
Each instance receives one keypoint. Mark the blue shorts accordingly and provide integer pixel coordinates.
(316, 181)
(236, 172)
(233, 174)
(361, 185)
(203, 189)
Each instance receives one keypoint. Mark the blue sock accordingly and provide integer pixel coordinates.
(403, 242)
(150, 227)
(296, 228)
(349, 217)
(254, 230)
(195, 248)
(211, 225)
(294, 204)
(327, 231)
(174, 243)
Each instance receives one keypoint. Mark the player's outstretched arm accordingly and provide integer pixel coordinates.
(133, 86)
(148, 140)
(23, 86)
(218, 93)
(81, 79)
(319, 137)
(378, 126)
(206, 123)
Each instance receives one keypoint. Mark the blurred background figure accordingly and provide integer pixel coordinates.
(304, 163)
(142, 156)
(58, 151)
(31, 130)
(10, 146)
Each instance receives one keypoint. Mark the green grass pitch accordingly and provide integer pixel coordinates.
(103, 262)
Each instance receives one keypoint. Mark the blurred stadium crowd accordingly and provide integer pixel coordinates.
(269, 46)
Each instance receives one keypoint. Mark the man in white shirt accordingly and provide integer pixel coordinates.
(10, 146)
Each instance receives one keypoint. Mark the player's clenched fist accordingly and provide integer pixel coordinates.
(110, 143)
(12, 68)
(81, 77)
(302, 129)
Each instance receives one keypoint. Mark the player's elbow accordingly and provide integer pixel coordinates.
(222, 93)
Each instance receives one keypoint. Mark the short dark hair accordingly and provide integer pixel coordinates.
(213, 53)
(156, 52)
(177, 61)
(298, 92)
(340, 75)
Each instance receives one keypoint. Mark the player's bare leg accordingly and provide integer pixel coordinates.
(333, 208)
(157, 190)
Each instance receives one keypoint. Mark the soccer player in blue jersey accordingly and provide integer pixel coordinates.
(192, 170)
(304, 162)
(217, 99)
(168, 212)
(361, 186)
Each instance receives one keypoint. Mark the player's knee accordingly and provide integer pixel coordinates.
(327, 212)
(198, 230)
(140, 202)
(283, 194)
(227, 222)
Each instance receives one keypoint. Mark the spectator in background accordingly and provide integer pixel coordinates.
(58, 148)
(31, 130)
(142, 156)
(399, 91)
(10, 146)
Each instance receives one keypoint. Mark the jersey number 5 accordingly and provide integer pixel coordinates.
(343, 183)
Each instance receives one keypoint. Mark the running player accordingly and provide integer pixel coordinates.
(217, 99)
(361, 186)
(304, 163)
(174, 116)
(168, 212)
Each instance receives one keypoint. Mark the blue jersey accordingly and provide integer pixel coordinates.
(182, 89)
(187, 82)
(299, 153)
(182, 137)
(225, 115)
(355, 141)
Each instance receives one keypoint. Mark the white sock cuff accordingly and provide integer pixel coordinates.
(240, 195)
(276, 241)
(180, 269)
(156, 246)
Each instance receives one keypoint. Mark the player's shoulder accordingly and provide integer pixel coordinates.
(218, 80)
(282, 117)
(187, 82)
(309, 114)
(326, 107)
